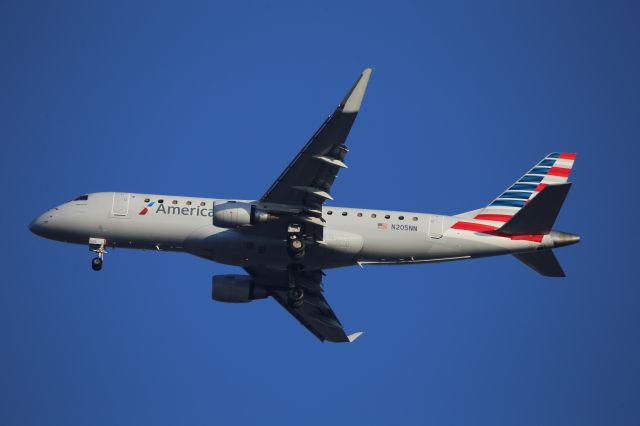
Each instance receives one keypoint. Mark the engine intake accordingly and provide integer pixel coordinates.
(234, 288)
(234, 214)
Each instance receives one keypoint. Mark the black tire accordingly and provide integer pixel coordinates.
(297, 255)
(296, 296)
(96, 263)
(295, 248)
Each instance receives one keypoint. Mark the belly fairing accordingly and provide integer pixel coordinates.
(245, 248)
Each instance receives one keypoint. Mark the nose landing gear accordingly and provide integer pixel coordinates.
(96, 263)
(97, 245)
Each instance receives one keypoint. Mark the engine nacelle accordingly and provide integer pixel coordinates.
(233, 214)
(235, 289)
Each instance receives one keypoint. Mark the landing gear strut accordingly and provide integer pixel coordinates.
(97, 245)
(296, 296)
(296, 292)
(295, 243)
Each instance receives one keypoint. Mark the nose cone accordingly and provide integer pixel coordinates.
(561, 239)
(37, 226)
(42, 225)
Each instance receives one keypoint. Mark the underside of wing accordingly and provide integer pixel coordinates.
(316, 315)
(312, 310)
(308, 179)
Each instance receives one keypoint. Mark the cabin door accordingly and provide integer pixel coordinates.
(120, 206)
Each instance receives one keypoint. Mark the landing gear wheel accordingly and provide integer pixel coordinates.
(96, 263)
(97, 245)
(296, 296)
(295, 247)
(295, 242)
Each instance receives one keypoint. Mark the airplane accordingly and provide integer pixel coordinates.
(287, 238)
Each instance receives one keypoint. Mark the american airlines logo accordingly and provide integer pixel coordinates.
(146, 209)
(176, 210)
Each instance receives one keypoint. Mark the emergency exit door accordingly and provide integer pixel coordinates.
(435, 226)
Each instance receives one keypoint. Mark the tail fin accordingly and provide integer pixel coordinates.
(539, 214)
(538, 217)
(528, 209)
(554, 169)
(543, 262)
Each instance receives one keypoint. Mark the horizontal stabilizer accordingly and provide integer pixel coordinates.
(543, 262)
(539, 214)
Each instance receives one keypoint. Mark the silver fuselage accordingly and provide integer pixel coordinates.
(351, 235)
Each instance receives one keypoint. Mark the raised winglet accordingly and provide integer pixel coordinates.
(352, 337)
(353, 100)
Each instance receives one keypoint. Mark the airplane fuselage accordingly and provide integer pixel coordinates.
(351, 235)
(285, 239)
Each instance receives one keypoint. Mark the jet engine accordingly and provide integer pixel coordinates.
(235, 289)
(234, 214)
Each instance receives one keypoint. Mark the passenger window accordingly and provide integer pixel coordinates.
(203, 203)
(329, 212)
(401, 217)
(146, 200)
(359, 214)
(415, 219)
(386, 216)
(160, 201)
(188, 203)
(373, 215)
(174, 202)
(344, 213)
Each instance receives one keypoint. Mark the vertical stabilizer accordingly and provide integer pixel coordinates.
(553, 169)
(539, 214)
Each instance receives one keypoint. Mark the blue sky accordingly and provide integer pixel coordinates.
(214, 99)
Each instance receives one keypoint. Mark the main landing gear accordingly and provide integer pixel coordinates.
(97, 245)
(295, 243)
(296, 251)
(296, 292)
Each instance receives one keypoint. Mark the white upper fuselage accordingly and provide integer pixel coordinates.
(351, 235)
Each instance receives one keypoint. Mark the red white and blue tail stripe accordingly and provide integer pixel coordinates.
(551, 170)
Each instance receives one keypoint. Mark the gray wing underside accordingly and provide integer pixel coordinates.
(304, 186)
(308, 179)
(314, 313)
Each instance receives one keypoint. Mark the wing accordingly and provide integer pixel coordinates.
(314, 311)
(307, 181)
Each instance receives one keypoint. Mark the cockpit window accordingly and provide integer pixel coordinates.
(81, 198)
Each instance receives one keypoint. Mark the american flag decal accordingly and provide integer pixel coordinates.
(383, 226)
